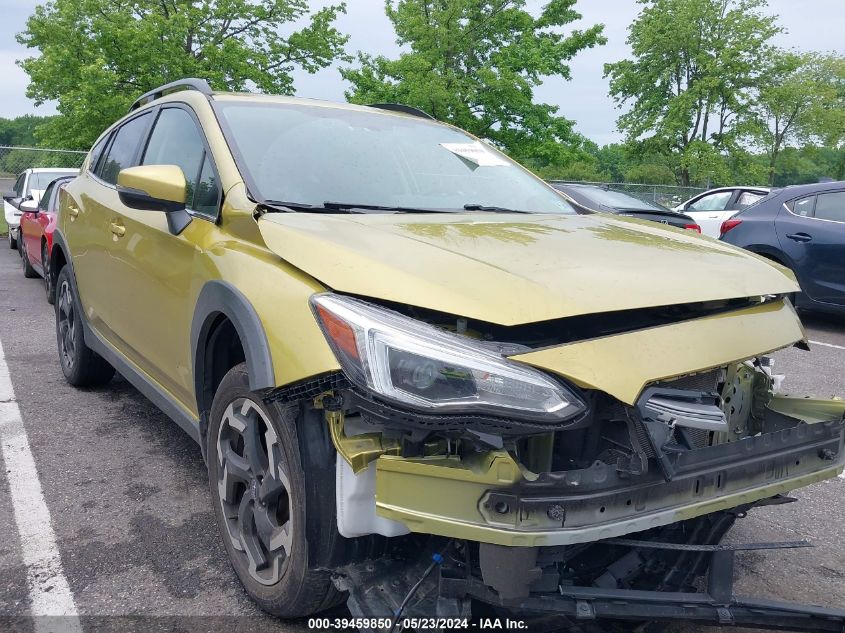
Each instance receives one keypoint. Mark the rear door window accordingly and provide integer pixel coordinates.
(831, 206)
(123, 150)
(803, 206)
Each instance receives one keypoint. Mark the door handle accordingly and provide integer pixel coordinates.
(74, 212)
(800, 237)
(118, 229)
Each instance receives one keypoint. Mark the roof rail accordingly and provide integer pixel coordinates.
(398, 107)
(191, 83)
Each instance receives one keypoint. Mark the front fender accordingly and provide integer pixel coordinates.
(218, 298)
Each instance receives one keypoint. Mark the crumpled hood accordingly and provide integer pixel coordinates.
(514, 268)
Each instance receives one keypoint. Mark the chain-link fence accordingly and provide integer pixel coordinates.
(14, 160)
(667, 195)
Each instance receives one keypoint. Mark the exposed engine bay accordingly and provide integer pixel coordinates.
(552, 517)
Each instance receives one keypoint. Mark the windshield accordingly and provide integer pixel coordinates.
(39, 180)
(313, 155)
(619, 200)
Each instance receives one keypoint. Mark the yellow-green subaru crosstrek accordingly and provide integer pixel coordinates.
(422, 382)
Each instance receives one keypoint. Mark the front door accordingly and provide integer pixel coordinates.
(32, 228)
(11, 213)
(154, 306)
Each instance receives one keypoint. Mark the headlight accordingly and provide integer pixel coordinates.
(416, 364)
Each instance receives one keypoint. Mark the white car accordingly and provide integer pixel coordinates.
(711, 208)
(29, 186)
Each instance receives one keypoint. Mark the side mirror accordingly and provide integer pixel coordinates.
(156, 188)
(9, 195)
(28, 206)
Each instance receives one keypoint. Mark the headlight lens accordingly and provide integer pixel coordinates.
(413, 363)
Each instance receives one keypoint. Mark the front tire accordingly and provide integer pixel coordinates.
(28, 270)
(274, 523)
(81, 365)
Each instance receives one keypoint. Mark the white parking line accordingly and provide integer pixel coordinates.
(49, 592)
(827, 345)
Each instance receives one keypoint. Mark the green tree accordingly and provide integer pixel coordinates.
(575, 171)
(650, 174)
(614, 160)
(694, 66)
(96, 56)
(475, 64)
(796, 105)
(20, 131)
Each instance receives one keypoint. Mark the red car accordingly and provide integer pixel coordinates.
(35, 239)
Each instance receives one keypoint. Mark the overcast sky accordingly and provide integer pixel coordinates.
(811, 25)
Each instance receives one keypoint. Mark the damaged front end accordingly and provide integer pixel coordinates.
(567, 476)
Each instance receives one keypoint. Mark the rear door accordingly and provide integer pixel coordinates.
(86, 218)
(708, 211)
(154, 300)
(811, 231)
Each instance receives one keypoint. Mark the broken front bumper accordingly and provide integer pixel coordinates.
(490, 498)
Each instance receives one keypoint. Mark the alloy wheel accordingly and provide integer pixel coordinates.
(254, 490)
(67, 325)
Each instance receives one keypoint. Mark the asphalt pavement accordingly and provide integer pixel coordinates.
(115, 504)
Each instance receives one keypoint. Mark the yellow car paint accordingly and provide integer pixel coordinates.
(623, 364)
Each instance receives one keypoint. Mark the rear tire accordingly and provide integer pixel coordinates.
(28, 270)
(275, 504)
(48, 280)
(81, 365)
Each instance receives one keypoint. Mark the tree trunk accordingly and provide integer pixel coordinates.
(772, 164)
(685, 177)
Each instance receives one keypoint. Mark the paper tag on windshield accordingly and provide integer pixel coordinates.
(476, 153)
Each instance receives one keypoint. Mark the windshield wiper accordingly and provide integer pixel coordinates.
(286, 206)
(493, 209)
(351, 206)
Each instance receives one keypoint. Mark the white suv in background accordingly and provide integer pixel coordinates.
(29, 186)
(711, 208)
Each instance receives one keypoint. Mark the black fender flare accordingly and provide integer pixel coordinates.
(218, 298)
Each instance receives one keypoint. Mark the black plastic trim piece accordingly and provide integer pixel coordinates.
(222, 298)
(190, 83)
(143, 384)
(308, 388)
(393, 416)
